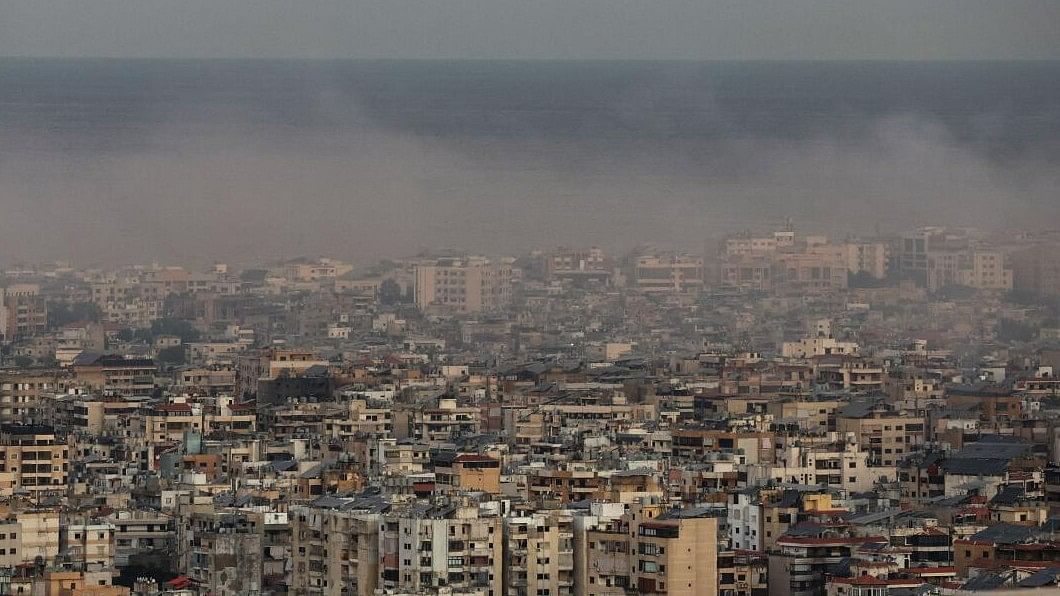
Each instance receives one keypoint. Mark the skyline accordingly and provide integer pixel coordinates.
(616, 29)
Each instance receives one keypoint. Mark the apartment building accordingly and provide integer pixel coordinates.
(751, 272)
(21, 394)
(168, 423)
(374, 419)
(539, 554)
(842, 465)
(25, 312)
(260, 366)
(335, 547)
(26, 535)
(673, 273)
(116, 375)
(466, 472)
(88, 544)
(427, 547)
(602, 551)
(985, 270)
(890, 435)
(463, 285)
(820, 269)
(92, 415)
(220, 550)
(914, 389)
(810, 347)
(34, 459)
(849, 373)
(1036, 270)
(798, 565)
(747, 244)
(444, 423)
(675, 553)
(870, 258)
(140, 531)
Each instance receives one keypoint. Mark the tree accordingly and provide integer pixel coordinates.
(61, 313)
(179, 327)
(1009, 330)
(390, 292)
(172, 355)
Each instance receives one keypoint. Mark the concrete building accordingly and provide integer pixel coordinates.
(34, 458)
(539, 554)
(674, 273)
(675, 553)
(21, 395)
(116, 375)
(424, 548)
(464, 285)
(335, 548)
(25, 312)
(889, 435)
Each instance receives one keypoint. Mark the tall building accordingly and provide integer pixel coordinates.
(675, 553)
(424, 548)
(25, 312)
(867, 257)
(21, 395)
(1036, 270)
(463, 285)
(33, 458)
(540, 554)
(335, 548)
(674, 273)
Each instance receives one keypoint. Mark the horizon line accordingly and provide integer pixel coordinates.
(514, 59)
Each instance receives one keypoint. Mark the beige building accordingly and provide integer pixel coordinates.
(842, 466)
(986, 270)
(818, 346)
(889, 435)
(674, 273)
(464, 285)
(87, 543)
(424, 548)
(24, 312)
(26, 535)
(334, 551)
(674, 553)
(21, 393)
(867, 257)
(270, 363)
(819, 269)
(466, 472)
(539, 554)
(601, 551)
(116, 375)
(35, 459)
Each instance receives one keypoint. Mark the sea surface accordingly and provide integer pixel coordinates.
(135, 159)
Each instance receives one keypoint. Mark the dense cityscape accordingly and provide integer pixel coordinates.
(782, 413)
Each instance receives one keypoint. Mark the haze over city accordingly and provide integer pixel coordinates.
(529, 298)
(176, 159)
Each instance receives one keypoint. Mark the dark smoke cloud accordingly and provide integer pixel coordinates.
(209, 181)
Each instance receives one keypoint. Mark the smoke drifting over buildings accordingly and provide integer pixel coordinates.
(244, 160)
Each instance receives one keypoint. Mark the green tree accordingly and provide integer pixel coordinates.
(172, 355)
(390, 292)
(61, 313)
(179, 327)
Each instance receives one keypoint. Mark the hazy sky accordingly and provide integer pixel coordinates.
(700, 29)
